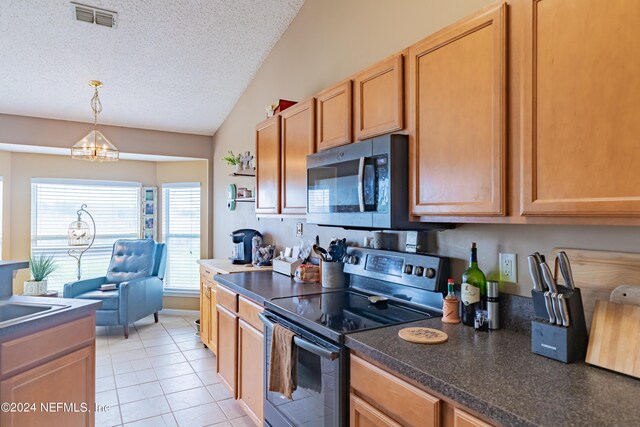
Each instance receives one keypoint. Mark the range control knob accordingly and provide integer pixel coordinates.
(408, 269)
(417, 271)
(431, 273)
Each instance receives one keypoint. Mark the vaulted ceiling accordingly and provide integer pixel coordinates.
(177, 65)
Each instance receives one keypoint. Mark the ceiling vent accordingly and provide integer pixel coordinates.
(94, 15)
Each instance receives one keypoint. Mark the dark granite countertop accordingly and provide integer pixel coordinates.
(496, 375)
(74, 309)
(265, 285)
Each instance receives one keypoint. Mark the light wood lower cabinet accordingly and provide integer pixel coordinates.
(250, 370)
(48, 368)
(208, 301)
(240, 359)
(381, 398)
(227, 357)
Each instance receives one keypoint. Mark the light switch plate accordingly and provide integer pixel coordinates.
(508, 268)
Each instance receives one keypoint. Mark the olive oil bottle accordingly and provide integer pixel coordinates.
(473, 288)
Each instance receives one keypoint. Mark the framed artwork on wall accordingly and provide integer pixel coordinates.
(149, 208)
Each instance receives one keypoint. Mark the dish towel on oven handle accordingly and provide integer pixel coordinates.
(284, 355)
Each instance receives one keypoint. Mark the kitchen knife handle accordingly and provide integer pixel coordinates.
(564, 310)
(548, 302)
(539, 260)
(565, 269)
(534, 271)
(548, 277)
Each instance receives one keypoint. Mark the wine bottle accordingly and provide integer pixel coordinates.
(473, 288)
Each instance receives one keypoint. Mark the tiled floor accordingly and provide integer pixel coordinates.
(160, 376)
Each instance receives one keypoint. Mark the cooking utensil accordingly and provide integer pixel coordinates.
(534, 271)
(564, 310)
(321, 252)
(614, 341)
(548, 302)
(565, 269)
(547, 275)
(337, 249)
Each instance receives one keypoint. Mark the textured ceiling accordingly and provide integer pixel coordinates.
(168, 65)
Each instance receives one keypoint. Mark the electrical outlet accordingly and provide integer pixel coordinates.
(298, 229)
(508, 268)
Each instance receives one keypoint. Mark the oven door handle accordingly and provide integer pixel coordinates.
(304, 344)
(361, 184)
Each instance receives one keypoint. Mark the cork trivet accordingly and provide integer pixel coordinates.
(423, 335)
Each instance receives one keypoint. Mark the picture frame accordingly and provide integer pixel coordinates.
(149, 213)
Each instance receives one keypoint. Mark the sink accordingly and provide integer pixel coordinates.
(14, 312)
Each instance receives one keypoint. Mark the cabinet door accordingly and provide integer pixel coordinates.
(379, 98)
(213, 320)
(251, 370)
(334, 116)
(298, 141)
(69, 379)
(457, 90)
(364, 415)
(268, 166)
(227, 345)
(462, 419)
(205, 312)
(580, 152)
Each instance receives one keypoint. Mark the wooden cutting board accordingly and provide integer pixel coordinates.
(614, 341)
(597, 273)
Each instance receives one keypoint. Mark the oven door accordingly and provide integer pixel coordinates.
(320, 397)
(347, 185)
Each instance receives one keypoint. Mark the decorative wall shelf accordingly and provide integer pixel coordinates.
(244, 173)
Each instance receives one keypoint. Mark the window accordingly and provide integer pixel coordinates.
(1, 207)
(181, 233)
(115, 207)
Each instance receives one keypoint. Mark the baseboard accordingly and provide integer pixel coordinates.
(177, 312)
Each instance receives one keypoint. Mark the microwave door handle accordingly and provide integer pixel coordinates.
(361, 184)
(315, 349)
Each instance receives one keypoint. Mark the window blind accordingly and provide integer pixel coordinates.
(181, 233)
(1, 209)
(115, 207)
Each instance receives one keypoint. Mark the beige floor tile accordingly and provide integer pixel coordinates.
(144, 409)
(146, 375)
(139, 392)
(223, 424)
(231, 408)
(203, 364)
(107, 398)
(157, 340)
(191, 345)
(243, 422)
(134, 365)
(208, 376)
(184, 382)
(188, 398)
(127, 345)
(126, 380)
(199, 416)
(104, 371)
(219, 392)
(104, 384)
(165, 420)
(170, 371)
(181, 330)
(108, 418)
(200, 353)
(128, 356)
(162, 349)
(185, 337)
(167, 359)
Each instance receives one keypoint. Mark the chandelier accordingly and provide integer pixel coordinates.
(95, 146)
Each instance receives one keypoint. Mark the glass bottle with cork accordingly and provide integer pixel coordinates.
(473, 288)
(450, 305)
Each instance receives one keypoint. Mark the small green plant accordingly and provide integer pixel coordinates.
(232, 159)
(42, 266)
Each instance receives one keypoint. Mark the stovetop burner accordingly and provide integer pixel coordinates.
(336, 313)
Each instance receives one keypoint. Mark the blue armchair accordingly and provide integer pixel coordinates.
(137, 268)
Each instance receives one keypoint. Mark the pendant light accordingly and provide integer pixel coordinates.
(95, 146)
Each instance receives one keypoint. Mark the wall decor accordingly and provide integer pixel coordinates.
(149, 222)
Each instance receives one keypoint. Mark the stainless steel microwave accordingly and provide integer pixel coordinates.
(362, 185)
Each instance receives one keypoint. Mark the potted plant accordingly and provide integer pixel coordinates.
(234, 160)
(41, 267)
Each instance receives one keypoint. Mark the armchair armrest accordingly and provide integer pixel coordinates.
(139, 298)
(73, 289)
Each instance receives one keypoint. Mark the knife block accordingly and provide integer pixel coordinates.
(557, 342)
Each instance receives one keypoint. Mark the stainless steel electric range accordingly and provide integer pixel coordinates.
(385, 288)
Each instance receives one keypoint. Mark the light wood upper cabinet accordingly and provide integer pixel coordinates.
(268, 166)
(580, 99)
(298, 141)
(457, 118)
(334, 116)
(379, 98)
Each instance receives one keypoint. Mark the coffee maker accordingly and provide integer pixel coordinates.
(241, 249)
